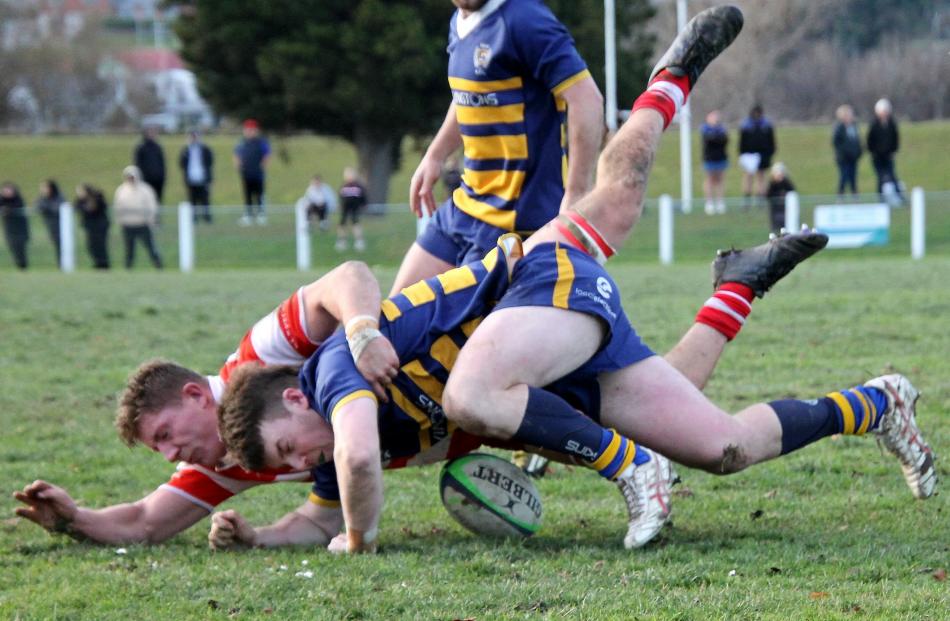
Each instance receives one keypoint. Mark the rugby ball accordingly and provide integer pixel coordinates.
(490, 496)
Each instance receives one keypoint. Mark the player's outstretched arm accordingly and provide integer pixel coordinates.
(427, 175)
(309, 524)
(356, 455)
(153, 519)
(585, 126)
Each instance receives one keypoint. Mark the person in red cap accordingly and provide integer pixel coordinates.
(250, 158)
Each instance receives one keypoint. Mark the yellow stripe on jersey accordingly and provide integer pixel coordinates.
(571, 81)
(359, 394)
(457, 279)
(419, 293)
(501, 218)
(421, 378)
(565, 278)
(498, 147)
(608, 455)
(847, 414)
(323, 502)
(469, 326)
(481, 115)
(505, 184)
(491, 259)
(561, 104)
(390, 310)
(403, 403)
(489, 86)
(445, 351)
(868, 412)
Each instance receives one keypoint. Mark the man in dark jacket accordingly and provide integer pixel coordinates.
(150, 159)
(847, 144)
(883, 143)
(197, 169)
(756, 148)
(16, 228)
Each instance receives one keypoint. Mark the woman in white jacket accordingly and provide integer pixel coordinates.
(136, 211)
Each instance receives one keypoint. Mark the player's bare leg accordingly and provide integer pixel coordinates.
(654, 403)
(418, 264)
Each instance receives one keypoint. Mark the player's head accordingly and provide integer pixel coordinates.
(170, 409)
(265, 421)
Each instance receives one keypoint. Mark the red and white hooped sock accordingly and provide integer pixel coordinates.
(666, 94)
(727, 309)
(584, 236)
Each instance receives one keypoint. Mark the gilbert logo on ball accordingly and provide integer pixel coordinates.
(490, 496)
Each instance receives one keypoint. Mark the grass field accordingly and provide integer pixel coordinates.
(829, 533)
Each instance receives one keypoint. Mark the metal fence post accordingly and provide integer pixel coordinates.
(918, 209)
(792, 212)
(666, 229)
(303, 236)
(186, 237)
(67, 239)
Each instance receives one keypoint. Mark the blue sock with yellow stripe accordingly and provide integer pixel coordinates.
(552, 423)
(852, 412)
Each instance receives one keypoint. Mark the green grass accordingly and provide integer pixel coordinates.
(838, 536)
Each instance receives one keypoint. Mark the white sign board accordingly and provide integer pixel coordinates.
(854, 226)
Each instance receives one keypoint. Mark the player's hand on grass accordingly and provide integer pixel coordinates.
(423, 180)
(341, 545)
(48, 506)
(379, 364)
(230, 529)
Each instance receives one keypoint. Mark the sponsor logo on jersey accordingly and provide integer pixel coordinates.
(604, 288)
(481, 58)
(474, 100)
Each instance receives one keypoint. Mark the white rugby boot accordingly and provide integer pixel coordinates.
(899, 433)
(646, 490)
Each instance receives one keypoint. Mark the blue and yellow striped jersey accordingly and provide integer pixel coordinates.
(430, 321)
(506, 75)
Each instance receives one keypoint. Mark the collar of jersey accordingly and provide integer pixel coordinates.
(465, 25)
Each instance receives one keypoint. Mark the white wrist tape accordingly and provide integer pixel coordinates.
(354, 322)
(360, 339)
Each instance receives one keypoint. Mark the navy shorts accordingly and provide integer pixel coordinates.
(457, 238)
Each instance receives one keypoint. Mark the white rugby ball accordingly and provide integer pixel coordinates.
(490, 496)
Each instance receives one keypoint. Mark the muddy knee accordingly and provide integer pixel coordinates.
(733, 459)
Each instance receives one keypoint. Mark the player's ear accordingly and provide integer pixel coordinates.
(194, 390)
(295, 397)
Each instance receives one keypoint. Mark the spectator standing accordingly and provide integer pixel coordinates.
(250, 157)
(150, 160)
(352, 201)
(93, 210)
(847, 144)
(136, 210)
(16, 228)
(47, 205)
(197, 168)
(756, 148)
(715, 162)
(779, 186)
(321, 201)
(883, 143)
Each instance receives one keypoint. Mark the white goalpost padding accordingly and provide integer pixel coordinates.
(792, 212)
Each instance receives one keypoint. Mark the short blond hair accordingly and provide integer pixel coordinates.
(254, 394)
(153, 386)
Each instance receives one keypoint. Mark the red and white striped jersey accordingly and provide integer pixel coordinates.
(279, 338)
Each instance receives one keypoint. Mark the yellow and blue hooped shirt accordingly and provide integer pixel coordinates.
(429, 322)
(506, 75)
